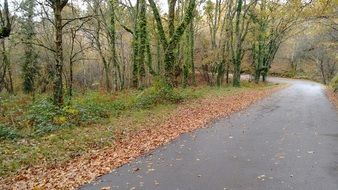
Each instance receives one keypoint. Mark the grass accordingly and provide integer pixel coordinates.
(93, 121)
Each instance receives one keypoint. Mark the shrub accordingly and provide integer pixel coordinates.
(43, 116)
(8, 133)
(159, 92)
(334, 83)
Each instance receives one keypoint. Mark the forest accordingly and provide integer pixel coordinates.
(80, 75)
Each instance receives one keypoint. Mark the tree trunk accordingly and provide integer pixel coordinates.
(169, 46)
(7, 69)
(70, 88)
(171, 17)
(29, 68)
(264, 77)
(58, 83)
(158, 55)
(238, 51)
(112, 34)
(187, 58)
(237, 73)
(192, 48)
(6, 27)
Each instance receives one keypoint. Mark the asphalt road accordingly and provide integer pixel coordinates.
(286, 141)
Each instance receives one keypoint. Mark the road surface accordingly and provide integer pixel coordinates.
(286, 141)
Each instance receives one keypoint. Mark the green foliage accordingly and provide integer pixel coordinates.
(44, 117)
(95, 106)
(8, 133)
(29, 67)
(159, 93)
(334, 83)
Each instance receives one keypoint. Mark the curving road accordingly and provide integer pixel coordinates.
(287, 141)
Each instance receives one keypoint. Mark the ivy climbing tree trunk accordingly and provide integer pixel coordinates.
(238, 52)
(188, 66)
(170, 45)
(141, 43)
(192, 54)
(171, 17)
(112, 44)
(238, 36)
(259, 49)
(5, 22)
(29, 65)
(135, 44)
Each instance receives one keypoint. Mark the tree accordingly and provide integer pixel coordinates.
(238, 35)
(169, 46)
(276, 22)
(29, 65)
(5, 31)
(6, 80)
(189, 66)
(226, 32)
(213, 12)
(142, 51)
(57, 7)
(5, 21)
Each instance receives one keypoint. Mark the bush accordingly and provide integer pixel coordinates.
(160, 92)
(334, 83)
(8, 133)
(43, 116)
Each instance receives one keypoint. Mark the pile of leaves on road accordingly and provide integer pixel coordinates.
(80, 170)
(333, 96)
(332, 91)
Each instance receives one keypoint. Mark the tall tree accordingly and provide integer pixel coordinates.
(226, 32)
(112, 43)
(169, 46)
(189, 47)
(213, 12)
(29, 65)
(5, 22)
(5, 31)
(274, 22)
(238, 36)
(57, 7)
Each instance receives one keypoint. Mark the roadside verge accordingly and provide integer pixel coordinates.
(186, 118)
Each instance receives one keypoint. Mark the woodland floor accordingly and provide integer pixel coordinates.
(74, 156)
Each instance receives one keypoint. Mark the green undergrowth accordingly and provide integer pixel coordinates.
(35, 132)
(334, 83)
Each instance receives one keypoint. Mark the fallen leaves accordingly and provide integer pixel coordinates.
(332, 96)
(84, 169)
